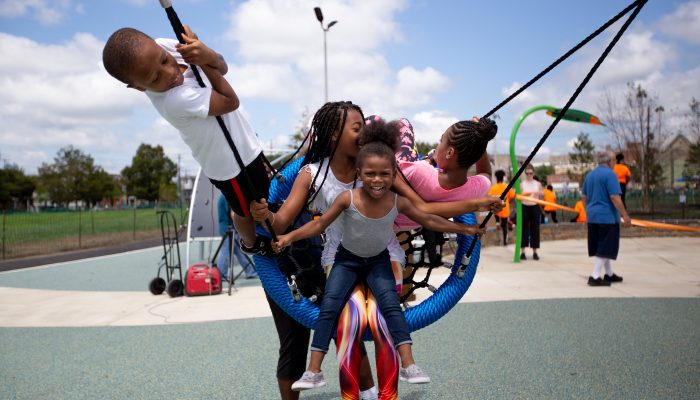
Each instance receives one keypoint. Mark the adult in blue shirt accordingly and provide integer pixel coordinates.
(601, 195)
(222, 261)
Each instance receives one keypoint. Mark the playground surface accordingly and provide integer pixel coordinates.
(89, 329)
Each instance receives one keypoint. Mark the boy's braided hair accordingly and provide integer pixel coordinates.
(470, 138)
(121, 51)
(328, 120)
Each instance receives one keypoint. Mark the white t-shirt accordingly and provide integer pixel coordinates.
(186, 107)
(533, 187)
(331, 189)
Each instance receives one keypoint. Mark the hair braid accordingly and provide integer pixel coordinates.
(328, 120)
(469, 138)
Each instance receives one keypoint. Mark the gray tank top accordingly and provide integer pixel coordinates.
(364, 236)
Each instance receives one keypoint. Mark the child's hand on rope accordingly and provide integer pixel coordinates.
(281, 243)
(259, 210)
(491, 203)
(474, 230)
(194, 51)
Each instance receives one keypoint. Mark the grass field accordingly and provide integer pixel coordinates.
(34, 233)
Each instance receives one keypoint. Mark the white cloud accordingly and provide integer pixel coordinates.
(68, 101)
(640, 56)
(684, 23)
(429, 126)
(44, 11)
(281, 59)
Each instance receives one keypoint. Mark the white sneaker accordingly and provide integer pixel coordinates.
(309, 380)
(413, 374)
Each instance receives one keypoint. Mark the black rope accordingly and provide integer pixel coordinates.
(638, 4)
(179, 30)
(564, 57)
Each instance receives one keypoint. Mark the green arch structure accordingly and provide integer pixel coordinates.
(571, 115)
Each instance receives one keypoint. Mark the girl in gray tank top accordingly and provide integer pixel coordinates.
(368, 215)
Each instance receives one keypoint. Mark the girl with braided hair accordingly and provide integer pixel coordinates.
(367, 215)
(327, 170)
(462, 145)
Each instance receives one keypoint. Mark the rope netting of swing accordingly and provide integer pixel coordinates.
(306, 312)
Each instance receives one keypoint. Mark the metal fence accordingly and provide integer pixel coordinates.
(663, 205)
(25, 234)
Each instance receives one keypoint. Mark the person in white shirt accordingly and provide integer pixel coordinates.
(531, 214)
(161, 69)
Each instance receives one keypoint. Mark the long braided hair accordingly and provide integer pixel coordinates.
(469, 138)
(329, 119)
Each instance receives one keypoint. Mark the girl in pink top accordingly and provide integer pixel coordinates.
(462, 145)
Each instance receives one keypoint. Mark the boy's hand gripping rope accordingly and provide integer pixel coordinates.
(637, 5)
(179, 30)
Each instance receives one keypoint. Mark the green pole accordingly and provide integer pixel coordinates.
(516, 186)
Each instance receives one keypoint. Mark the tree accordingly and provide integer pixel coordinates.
(15, 187)
(424, 147)
(582, 157)
(150, 174)
(543, 171)
(630, 123)
(693, 118)
(73, 176)
(692, 163)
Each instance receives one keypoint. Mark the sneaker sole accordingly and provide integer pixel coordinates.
(415, 381)
(299, 388)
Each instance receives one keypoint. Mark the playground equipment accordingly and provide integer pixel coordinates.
(170, 260)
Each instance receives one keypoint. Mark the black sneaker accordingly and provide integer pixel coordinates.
(522, 256)
(535, 257)
(613, 278)
(262, 246)
(597, 282)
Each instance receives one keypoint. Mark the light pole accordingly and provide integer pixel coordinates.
(571, 115)
(319, 17)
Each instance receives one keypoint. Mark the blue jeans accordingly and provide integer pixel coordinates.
(224, 257)
(347, 271)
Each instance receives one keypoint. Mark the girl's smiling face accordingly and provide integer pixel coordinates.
(377, 175)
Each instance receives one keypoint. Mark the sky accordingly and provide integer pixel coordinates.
(433, 62)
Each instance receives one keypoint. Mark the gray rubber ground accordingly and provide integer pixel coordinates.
(537, 349)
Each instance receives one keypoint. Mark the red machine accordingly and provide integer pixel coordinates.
(202, 280)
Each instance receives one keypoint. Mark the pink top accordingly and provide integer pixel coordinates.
(424, 179)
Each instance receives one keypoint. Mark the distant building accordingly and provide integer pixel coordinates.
(674, 153)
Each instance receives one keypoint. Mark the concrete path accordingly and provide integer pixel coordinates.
(89, 329)
(651, 267)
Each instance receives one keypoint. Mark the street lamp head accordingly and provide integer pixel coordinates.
(331, 24)
(319, 14)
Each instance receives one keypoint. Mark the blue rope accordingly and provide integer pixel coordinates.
(420, 316)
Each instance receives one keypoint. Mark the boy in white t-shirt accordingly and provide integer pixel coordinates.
(161, 69)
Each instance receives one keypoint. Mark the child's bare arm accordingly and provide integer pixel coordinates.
(434, 222)
(315, 227)
(291, 207)
(447, 209)
(223, 98)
